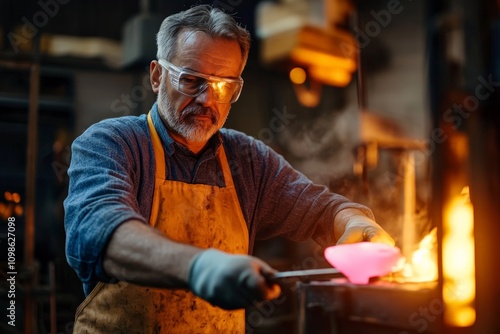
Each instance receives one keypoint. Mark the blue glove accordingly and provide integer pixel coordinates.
(231, 281)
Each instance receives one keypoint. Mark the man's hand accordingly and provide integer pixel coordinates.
(231, 281)
(361, 228)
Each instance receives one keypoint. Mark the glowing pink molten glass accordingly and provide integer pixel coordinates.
(360, 261)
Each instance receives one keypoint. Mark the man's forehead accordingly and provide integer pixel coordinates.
(195, 45)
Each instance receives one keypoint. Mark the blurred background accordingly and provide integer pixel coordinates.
(358, 95)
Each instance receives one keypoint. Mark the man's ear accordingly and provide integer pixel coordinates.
(155, 72)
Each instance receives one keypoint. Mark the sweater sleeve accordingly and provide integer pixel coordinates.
(102, 194)
(287, 203)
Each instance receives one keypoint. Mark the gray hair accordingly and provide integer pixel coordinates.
(210, 20)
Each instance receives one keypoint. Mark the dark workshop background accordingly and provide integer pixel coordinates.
(82, 86)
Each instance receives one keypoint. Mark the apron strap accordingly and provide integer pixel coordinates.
(226, 171)
(160, 156)
(158, 150)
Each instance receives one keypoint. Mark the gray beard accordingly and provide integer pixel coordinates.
(183, 124)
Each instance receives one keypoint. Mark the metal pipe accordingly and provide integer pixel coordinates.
(53, 301)
(360, 78)
(308, 275)
(409, 202)
(31, 159)
(145, 6)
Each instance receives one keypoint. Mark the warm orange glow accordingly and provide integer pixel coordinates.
(16, 198)
(325, 68)
(331, 75)
(12, 206)
(298, 75)
(321, 59)
(18, 210)
(466, 316)
(3, 210)
(422, 267)
(459, 286)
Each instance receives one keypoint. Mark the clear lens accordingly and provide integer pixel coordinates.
(192, 83)
(226, 91)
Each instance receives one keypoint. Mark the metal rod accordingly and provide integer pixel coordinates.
(360, 78)
(31, 165)
(311, 274)
(145, 6)
(409, 203)
(31, 159)
(53, 301)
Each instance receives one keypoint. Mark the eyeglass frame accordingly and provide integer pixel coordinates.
(176, 72)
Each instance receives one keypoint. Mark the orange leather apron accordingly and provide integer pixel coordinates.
(200, 215)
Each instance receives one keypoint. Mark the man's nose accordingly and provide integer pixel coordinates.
(207, 97)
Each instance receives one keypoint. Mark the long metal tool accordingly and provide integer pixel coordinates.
(307, 275)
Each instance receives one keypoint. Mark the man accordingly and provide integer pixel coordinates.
(159, 226)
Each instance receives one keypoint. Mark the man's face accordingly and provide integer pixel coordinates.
(196, 119)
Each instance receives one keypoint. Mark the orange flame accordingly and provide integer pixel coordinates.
(459, 286)
(422, 266)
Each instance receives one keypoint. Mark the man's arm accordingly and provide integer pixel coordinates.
(139, 254)
(288, 204)
(102, 193)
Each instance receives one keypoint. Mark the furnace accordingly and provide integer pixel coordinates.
(450, 282)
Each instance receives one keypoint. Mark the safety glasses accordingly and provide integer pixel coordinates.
(192, 83)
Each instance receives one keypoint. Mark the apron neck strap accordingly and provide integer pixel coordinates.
(158, 149)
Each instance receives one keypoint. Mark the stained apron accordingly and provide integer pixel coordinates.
(196, 214)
